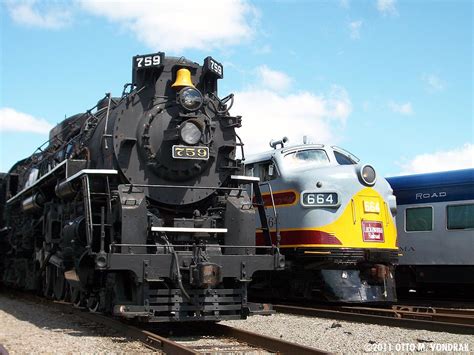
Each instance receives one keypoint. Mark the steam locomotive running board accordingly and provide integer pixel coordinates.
(38, 181)
(245, 179)
(188, 230)
(93, 171)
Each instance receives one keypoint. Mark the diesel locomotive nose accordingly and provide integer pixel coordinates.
(335, 221)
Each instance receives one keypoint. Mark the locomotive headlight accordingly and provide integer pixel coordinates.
(367, 175)
(190, 132)
(190, 99)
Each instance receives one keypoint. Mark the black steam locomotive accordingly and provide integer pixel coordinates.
(137, 206)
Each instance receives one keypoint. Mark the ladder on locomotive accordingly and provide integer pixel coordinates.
(97, 210)
(259, 202)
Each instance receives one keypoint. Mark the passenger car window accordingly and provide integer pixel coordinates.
(308, 156)
(460, 216)
(419, 219)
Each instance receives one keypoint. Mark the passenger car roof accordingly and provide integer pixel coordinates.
(454, 177)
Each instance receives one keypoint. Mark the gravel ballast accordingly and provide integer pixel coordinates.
(27, 327)
(348, 337)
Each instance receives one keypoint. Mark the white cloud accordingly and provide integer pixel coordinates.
(272, 79)
(434, 82)
(354, 27)
(14, 121)
(178, 25)
(269, 114)
(36, 14)
(459, 158)
(387, 7)
(402, 108)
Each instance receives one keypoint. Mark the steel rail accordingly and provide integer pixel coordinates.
(271, 344)
(434, 309)
(462, 317)
(453, 323)
(3, 351)
(153, 340)
(149, 339)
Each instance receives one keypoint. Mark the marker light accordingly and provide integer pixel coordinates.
(190, 99)
(190, 132)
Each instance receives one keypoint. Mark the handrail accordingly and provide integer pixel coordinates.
(275, 214)
(185, 187)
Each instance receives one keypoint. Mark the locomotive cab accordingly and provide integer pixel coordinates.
(334, 220)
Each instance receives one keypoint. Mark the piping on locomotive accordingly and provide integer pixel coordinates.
(137, 207)
(334, 223)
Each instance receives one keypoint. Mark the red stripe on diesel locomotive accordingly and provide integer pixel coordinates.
(301, 236)
(280, 198)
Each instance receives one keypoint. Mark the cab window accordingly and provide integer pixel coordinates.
(460, 216)
(249, 170)
(264, 170)
(309, 156)
(267, 171)
(419, 219)
(343, 159)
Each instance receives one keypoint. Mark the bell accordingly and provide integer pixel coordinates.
(183, 79)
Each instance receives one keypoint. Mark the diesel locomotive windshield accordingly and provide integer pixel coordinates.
(308, 156)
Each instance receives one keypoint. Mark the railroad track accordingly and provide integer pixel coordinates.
(439, 303)
(187, 338)
(459, 321)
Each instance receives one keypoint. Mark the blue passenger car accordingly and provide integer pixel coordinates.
(435, 224)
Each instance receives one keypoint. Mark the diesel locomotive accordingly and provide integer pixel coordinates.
(137, 207)
(334, 220)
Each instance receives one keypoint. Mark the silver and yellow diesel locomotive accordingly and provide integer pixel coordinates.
(334, 220)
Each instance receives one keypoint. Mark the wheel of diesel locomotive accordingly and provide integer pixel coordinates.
(59, 284)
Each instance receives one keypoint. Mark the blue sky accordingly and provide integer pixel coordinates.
(391, 81)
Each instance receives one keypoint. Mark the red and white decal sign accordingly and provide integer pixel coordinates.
(372, 231)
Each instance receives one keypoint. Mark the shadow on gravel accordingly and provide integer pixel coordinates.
(37, 311)
(44, 316)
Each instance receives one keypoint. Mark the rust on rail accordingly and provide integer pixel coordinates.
(265, 342)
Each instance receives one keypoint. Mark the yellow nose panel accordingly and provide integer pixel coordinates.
(365, 223)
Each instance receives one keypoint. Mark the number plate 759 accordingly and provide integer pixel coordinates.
(186, 152)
